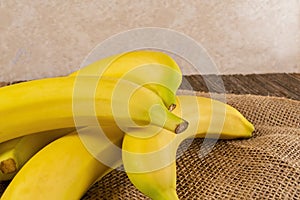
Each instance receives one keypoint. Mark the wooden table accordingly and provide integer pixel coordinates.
(279, 85)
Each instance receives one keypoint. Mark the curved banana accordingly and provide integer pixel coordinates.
(64, 169)
(55, 103)
(159, 144)
(235, 126)
(211, 118)
(150, 163)
(154, 70)
(16, 152)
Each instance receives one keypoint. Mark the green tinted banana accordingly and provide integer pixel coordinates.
(150, 163)
(164, 141)
(9, 157)
(16, 152)
(64, 169)
(55, 103)
(154, 70)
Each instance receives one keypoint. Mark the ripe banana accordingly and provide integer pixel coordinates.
(161, 164)
(211, 118)
(55, 103)
(64, 169)
(150, 163)
(143, 158)
(154, 70)
(16, 152)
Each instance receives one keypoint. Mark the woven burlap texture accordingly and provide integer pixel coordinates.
(266, 166)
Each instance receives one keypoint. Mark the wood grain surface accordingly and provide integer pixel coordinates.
(279, 85)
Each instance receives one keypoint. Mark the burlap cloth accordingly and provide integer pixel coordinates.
(266, 166)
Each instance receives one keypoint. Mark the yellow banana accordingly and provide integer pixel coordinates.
(150, 163)
(154, 70)
(211, 118)
(55, 103)
(162, 164)
(64, 169)
(16, 152)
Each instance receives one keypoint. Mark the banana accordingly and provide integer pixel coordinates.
(16, 152)
(64, 169)
(154, 173)
(150, 163)
(211, 118)
(154, 70)
(24, 145)
(143, 158)
(61, 102)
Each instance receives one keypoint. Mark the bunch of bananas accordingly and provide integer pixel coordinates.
(49, 148)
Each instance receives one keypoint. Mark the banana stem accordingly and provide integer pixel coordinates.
(171, 107)
(181, 127)
(162, 117)
(8, 166)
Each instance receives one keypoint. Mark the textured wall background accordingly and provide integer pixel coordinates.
(46, 38)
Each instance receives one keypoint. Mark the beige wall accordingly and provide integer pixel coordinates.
(45, 38)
